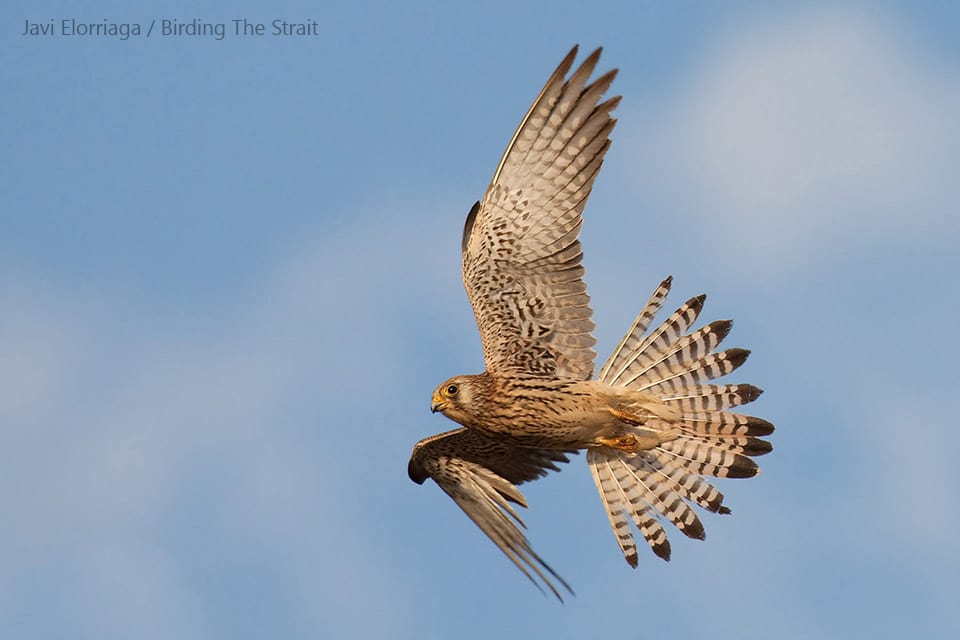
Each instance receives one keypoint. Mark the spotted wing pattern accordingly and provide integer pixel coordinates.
(521, 253)
(481, 475)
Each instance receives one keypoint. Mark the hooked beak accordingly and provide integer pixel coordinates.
(436, 404)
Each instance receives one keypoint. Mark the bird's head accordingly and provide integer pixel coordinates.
(455, 398)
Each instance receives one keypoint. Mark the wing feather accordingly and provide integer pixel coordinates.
(521, 252)
(481, 475)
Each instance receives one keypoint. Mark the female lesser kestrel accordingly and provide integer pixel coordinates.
(651, 424)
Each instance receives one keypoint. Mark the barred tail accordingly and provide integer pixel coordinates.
(675, 366)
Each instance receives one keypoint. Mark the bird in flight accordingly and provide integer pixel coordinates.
(653, 426)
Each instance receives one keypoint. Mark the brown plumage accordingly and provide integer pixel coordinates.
(652, 424)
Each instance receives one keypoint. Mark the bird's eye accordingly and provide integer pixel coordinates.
(452, 390)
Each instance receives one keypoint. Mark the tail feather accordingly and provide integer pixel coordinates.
(709, 460)
(652, 365)
(725, 423)
(711, 397)
(614, 503)
(691, 485)
(661, 337)
(747, 445)
(655, 488)
(635, 334)
(671, 368)
(618, 505)
(706, 368)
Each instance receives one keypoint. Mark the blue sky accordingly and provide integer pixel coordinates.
(229, 281)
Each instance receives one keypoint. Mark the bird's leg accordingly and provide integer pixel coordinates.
(629, 418)
(640, 438)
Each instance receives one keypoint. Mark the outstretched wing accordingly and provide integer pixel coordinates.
(480, 474)
(521, 255)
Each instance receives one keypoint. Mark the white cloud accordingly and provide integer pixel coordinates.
(808, 135)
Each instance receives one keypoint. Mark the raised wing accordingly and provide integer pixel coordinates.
(521, 255)
(480, 474)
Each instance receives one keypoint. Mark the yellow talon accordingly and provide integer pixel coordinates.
(623, 416)
(631, 442)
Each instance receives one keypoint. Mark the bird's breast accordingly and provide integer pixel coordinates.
(557, 414)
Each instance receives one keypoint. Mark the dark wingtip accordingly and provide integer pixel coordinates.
(594, 56)
(548, 583)
(468, 225)
(566, 63)
(611, 104)
(416, 472)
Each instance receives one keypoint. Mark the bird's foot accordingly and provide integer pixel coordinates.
(638, 440)
(643, 435)
(629, 418)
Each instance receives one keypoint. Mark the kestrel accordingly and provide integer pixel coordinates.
(651, 423)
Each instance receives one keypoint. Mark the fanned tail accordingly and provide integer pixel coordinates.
(674, 366)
